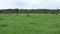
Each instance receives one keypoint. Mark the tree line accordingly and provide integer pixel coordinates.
(30, 11)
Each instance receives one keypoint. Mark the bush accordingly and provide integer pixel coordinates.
(17, 14)
(28, 15)
(0, 18)
(56, 14)
(3, 25)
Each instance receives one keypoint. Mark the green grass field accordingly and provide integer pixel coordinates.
(33, 24)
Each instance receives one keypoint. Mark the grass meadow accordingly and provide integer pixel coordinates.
(32, 24)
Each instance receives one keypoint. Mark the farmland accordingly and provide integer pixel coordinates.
(32, 24)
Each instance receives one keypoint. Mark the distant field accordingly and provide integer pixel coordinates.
(33, 24)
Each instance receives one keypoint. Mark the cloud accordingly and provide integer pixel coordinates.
(30, 4)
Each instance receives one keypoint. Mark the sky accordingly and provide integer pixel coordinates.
(30, 4)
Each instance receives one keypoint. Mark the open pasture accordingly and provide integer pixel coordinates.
(32, 24)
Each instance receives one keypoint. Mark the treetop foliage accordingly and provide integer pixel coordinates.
(30, 11)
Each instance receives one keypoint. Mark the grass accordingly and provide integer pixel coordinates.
(34, 24)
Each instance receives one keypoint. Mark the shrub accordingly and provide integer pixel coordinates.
(28, 15)
(17, 14)
(0, 18)
(56, 14)
(3, 25)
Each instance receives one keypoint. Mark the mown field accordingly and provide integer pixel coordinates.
(33, 24)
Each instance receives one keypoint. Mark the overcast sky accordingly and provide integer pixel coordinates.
(30, 4)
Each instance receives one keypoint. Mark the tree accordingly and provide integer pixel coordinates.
(17, 10)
